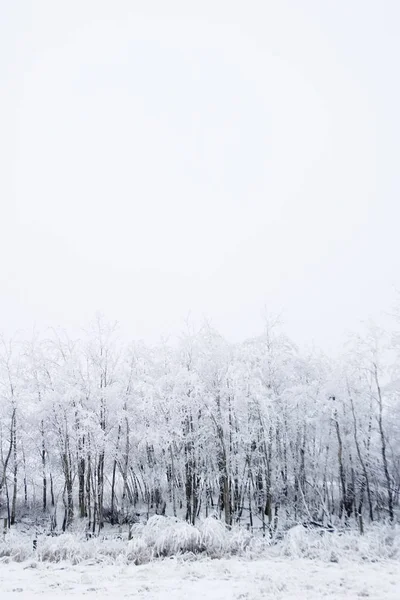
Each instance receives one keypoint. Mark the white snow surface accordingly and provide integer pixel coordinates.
(176, 579)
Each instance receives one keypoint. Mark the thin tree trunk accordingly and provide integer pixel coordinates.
(44, 478)
(15, 475)
(362, 463)
(383, 446)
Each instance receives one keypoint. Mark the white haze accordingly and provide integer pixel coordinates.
(161, 158)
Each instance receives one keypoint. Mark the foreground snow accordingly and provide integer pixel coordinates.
(175, 579)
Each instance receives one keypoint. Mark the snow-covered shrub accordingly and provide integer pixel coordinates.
(155, 525)
(136, 530)
(178, 538)
(379, 542)
(68, 546)
(214, 537)
(167, 536)
(302, 542)
(239, 540)
(15, 546)
(138, 552)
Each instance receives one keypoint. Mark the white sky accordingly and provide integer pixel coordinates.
(213, 157)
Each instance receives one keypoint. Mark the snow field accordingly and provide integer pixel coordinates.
(214, 579)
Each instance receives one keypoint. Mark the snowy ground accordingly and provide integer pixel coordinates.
(174, 579)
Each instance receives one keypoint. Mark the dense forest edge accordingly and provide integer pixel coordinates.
(97, 433)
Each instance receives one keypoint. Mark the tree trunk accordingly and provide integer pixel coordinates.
(383, 446)
(15, 474)
(44, 478)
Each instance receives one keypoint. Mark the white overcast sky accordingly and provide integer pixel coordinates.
(213, 157)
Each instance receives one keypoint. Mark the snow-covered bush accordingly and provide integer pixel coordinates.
(178, 538)
(378, 543)
(302, 542)
(167, 536)
(15, 546)
(138, 552)
(214, 537)
(239, 540)
(154, 527)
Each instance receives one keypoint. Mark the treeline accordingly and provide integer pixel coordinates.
(257, 432)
